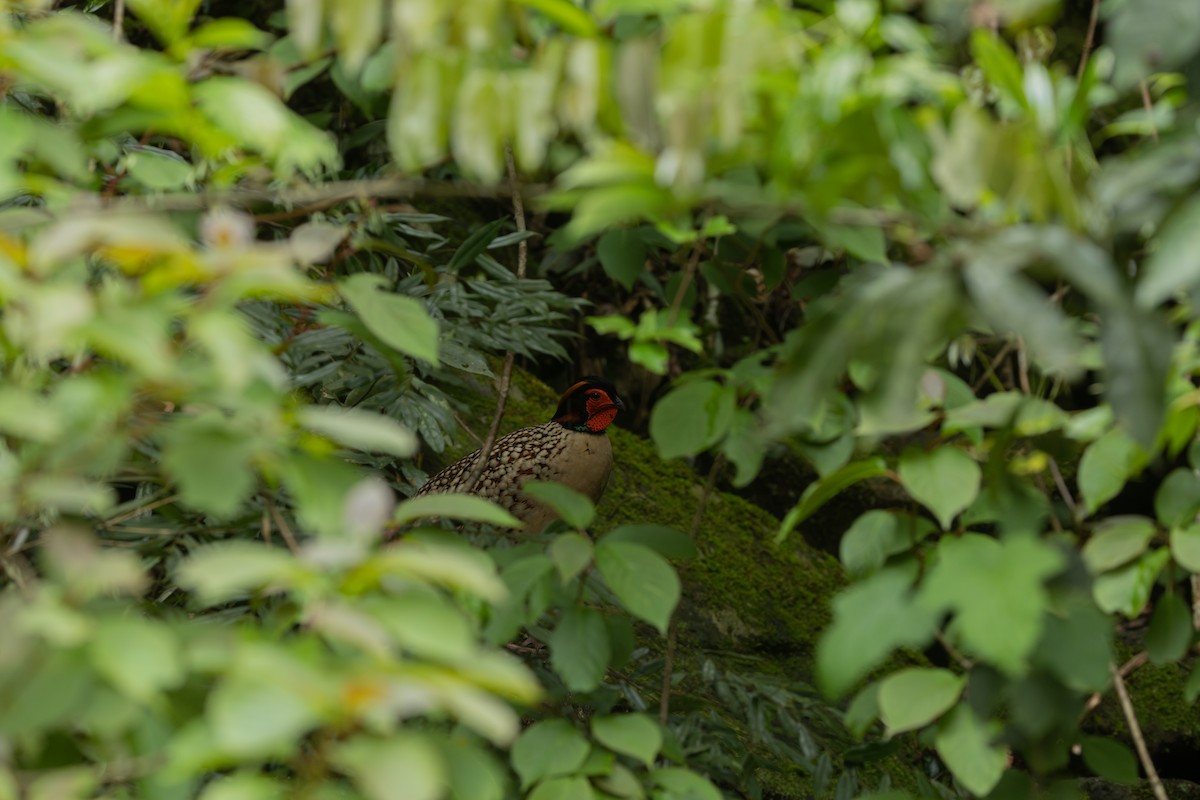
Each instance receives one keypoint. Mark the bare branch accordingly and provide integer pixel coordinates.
(1135, 730)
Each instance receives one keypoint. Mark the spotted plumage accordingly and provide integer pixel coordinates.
(572, 449)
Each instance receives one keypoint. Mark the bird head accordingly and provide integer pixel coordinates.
(591, 404)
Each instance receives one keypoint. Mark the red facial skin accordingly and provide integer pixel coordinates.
(601, 410)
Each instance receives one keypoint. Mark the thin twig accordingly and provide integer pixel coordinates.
(1195, 601)
(133, 512)
(991, 369)
(285, 530)
(118, 20)
(1022, 366)
(952, 651)
(1089, 40)
(1129, 666)
(664, 703)
(1135, 731)
(510, 356)
(1149, 106)
(1063, 490)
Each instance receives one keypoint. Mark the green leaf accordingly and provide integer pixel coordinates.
(871, 618)
(622, 254)
(1172, 266)
(691, 418)
(1170, 633)
(863, 711)
(243, 786)
(455, 506)
(474, 245)
(225, 570)
(1110, 760)
(819, 493)
(579, 649)
(876, 535)
(1151, 36)
(548, 749)
(641, 579)
(965, 744)
(258, 719)
(914, 697)
(379, 766)
(141, 657)
(1177, 500)
(575, 508)
(997, 589)
(320, 488)
(1191, 689)
(999, 65)
(571, 553)
(683, 784)
(563, 789)
(1185, 547)
(424, 623)
(568, 16)
(1116, 541)
(945, 480)
(474, 773)
(367, 431)
(1128, 588)
(1137, 346)
(1106, 465)
(400, 322)
(1077, 644)
(210, 461)
(633, 735)
(667, 542)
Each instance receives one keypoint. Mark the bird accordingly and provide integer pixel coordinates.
(572, 448)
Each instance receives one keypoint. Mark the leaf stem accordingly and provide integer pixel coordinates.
(1135, 731)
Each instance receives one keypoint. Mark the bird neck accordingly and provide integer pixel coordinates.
(578, 423)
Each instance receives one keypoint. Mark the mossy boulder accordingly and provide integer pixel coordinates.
(743, 594)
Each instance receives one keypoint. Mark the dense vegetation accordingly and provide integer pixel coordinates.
(259, 263)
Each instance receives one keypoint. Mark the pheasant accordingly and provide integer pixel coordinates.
(571, 448)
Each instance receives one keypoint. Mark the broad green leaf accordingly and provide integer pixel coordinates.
(455, 506)
(1177, 500)
(563, 789)
(571, 553)
(914, 697)
(1170, 632)
(1191, 689)
(622, 254)
(683, 784)
(400, 322)
(1185, 547)
(473, 772)
(321, 488)
(49, 697)
(871, 618)
(548, 749)
(1000, 65)
(244, 786)
(945, 480)
(1172, 266)
(819, 493)
(379, 766)
(139, 656)
(1106, 465)
(258, 719)
(667, 542)
(225, 570)
(691, 418)
(997, 589)
(444, 565)
(633, 735)
(1116, 541)
(574, 508)
(579, 649)
(966, 745)
(361, 430)
(1137, 347)
(1128, 588)
(1077, 644)
(641, 579)
(877, 535)
(1151, 36)
(424, 623)
(570, 17)
(211, 463)
(1110, 760)
(863, 711)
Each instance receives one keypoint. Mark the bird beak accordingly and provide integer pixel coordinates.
(620, 404)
